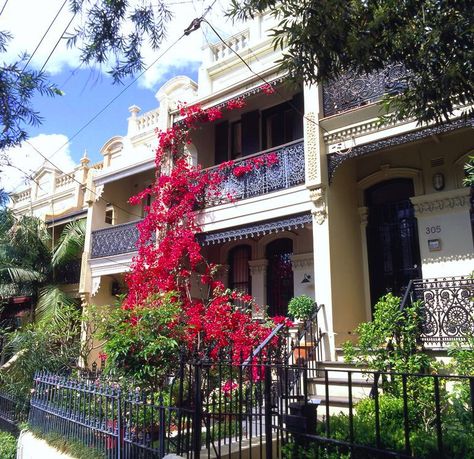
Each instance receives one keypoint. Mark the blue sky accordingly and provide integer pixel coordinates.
(87, 91)
(85, 94)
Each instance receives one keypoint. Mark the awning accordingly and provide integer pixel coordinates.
(257, 229)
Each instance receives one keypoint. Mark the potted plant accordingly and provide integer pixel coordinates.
(301, 307)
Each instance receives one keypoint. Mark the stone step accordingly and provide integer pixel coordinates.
(339, 387)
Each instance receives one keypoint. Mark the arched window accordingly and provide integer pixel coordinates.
(239, 270)
(279, 276)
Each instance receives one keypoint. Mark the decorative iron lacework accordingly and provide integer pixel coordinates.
(256, 229)
(115, 240)
(246, 94)
(336, 159)
(351, 90)
(287, 172)
(448, 309)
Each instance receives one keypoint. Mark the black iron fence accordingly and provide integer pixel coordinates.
(264, 408)
(447, 306)
(13, 411)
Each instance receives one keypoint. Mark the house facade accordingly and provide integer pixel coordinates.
(353, 209)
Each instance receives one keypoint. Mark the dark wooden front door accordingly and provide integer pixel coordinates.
(392, 237)
(279, 276)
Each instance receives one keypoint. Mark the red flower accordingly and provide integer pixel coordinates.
(267, 88)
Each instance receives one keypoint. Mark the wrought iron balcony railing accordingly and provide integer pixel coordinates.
(352, 91)
(115, 240)
(448, 309)
(287, 172)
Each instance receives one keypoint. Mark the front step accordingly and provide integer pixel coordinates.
(339, 370)
(338, 387)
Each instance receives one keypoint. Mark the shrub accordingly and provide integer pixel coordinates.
(301, 307)
(7, 445)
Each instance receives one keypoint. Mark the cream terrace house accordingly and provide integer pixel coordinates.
(353, 209)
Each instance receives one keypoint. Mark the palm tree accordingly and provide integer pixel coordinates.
(30, 262)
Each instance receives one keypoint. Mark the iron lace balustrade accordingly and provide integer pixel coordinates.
(351, 90)
(448, 309)
(286, 173)
(115, 240)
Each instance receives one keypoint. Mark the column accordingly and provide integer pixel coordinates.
(258, 273)
(318, 186)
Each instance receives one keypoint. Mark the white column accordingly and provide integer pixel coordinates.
(363, 213)
(258, 272)
(317, 183)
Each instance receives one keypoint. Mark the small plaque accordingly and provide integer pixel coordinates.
(434, 245)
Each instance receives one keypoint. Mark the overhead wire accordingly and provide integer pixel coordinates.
(44, 36)
(3, 7)
(263, 78)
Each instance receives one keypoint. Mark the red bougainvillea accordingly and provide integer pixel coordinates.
(169, 255)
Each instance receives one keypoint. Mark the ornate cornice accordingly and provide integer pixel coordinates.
(336, 159)
(442, 202)
(448, 258)
(258, 266)
(302, 260)
(256, 229)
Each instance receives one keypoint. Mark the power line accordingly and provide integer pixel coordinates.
(57, 42)
(44, 35)
(3, 7)
(117, 96)
(262, 78)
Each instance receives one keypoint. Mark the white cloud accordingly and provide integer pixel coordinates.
(25, 160)
(29, 19)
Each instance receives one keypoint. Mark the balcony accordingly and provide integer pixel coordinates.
(115, 240)
(288, 172)
(351, 91)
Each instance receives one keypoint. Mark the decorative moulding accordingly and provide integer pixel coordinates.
(302, 260)
(318, 197)
(445, 201)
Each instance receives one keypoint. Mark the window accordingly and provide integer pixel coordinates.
(279, 276)
(239, 270)
(259, 130)
(109, 215)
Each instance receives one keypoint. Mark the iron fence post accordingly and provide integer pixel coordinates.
(471, 387)
(268, 411)
(197, 421)
(119, 425)
(162, 428)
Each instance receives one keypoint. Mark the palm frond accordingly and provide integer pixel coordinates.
(20, 274)
(52, 303)
(71, 242)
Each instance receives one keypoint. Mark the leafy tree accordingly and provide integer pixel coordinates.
(112, 32)
(433, 39)
(29, 263)
(17, 88)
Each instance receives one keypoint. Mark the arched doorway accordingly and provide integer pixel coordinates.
(392, 237)
(279, 276)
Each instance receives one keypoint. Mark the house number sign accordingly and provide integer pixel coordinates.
(433, 229)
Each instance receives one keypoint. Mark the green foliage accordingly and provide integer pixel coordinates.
(147, 351)
(46, 346)
(431, 38)
(115, 31)
(7, 445)
(29, 264)
(458, 435)
(469, 169)
(301, 307)
(18, 86)
(390, 342)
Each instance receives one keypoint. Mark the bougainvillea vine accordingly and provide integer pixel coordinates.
(169, 256)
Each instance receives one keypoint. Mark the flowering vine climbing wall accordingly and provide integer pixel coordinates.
(170, 257)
